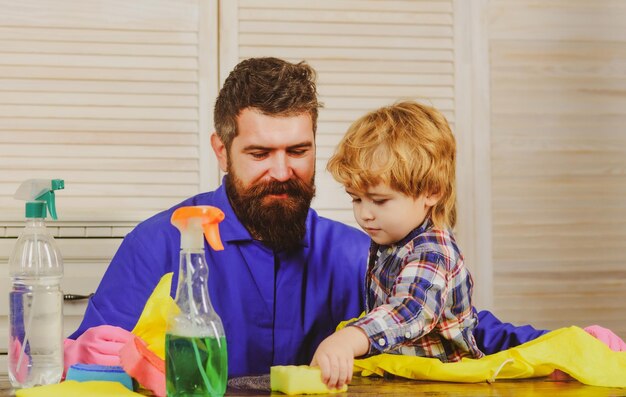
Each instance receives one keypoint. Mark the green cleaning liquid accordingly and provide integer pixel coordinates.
(195, 366)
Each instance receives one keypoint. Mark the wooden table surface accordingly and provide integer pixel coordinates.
(363, 387)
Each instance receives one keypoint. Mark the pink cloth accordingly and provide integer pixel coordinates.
(20, 373)
(145, 366)
(98, 345)
(607, 336)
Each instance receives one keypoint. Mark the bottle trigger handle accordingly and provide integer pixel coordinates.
(212, 235)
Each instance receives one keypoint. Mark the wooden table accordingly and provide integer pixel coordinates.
(363, 387)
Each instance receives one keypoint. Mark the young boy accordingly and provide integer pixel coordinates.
(398, 165)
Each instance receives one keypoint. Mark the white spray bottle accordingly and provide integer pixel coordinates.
(35, 299)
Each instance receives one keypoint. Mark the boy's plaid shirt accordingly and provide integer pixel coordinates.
(419, 298)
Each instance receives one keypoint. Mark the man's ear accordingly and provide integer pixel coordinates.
(220, 151)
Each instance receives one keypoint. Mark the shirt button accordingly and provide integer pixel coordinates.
(381, 341)
(407, 335)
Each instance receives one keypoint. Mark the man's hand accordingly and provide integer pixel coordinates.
(335, 355)
(98, 345)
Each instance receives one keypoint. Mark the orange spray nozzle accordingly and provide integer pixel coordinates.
(196, 221)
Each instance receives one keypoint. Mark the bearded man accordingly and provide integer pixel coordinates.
(287, 276)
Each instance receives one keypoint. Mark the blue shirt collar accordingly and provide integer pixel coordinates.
(231, 228)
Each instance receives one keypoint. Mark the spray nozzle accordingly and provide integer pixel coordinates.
(39, 194)
(196, 221)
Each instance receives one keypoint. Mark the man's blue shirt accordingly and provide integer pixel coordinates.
(276, 307)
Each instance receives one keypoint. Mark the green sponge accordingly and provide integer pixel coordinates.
(299, 379)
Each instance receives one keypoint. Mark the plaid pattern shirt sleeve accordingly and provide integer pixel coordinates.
(419, 298)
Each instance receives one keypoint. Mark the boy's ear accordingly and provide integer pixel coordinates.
(432, 199)
(220, 151)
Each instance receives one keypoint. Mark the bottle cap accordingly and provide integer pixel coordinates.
(36, 209)
(37, 193)
(194, 222)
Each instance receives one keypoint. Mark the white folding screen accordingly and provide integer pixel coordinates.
(116, 98)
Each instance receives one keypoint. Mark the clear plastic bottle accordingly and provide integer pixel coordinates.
(195, 344)
(35, 299)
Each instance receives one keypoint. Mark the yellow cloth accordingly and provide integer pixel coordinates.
(72, 388)
(570, 350)
(152, 323)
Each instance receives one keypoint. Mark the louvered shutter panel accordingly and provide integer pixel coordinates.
(104, 95)
(111, 96)
(367, 54)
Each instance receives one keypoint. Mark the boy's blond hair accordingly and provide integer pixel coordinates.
(407, 146)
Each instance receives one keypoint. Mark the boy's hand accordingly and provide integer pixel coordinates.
(335, 355)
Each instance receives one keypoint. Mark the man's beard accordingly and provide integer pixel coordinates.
(280, 223)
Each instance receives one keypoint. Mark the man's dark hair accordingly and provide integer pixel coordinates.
(272, 86)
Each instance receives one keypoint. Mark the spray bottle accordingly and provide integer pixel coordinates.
(35, 299)
(195, 345)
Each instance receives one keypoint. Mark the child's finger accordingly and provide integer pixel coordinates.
(324, 365)
(333, 372)
(343, 373)
(350, 368)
